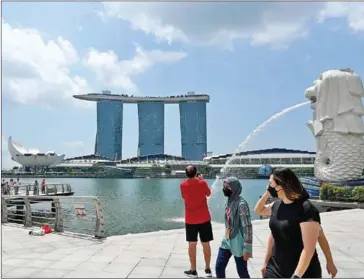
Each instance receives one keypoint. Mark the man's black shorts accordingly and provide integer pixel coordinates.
(204, 230)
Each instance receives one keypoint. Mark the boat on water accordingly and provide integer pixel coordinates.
(313, 185)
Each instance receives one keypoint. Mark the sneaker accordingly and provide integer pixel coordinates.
(191, 273)
(208, 273)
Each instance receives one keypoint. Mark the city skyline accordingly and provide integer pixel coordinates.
(253, 58)
(151, 118)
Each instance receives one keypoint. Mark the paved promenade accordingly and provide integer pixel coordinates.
(159, 254)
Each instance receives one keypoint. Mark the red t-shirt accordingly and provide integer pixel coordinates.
(195, 191)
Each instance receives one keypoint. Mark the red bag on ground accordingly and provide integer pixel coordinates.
(47, 229)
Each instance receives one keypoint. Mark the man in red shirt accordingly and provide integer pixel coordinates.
(195, 191)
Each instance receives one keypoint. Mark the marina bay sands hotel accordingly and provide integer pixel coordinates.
(192, 108)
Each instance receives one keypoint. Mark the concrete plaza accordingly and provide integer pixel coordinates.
(160, 254)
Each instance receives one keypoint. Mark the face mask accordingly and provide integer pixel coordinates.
(272, 192)
(227, 192)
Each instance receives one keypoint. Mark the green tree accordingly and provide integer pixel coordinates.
(167, 169)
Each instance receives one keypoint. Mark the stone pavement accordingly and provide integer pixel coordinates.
(159, 254)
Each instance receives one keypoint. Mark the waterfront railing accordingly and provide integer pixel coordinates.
(80, 215)
(37, 190)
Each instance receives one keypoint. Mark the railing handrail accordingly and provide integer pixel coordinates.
(48, 197)
(56, 209)
(39, 184)
(48, 189)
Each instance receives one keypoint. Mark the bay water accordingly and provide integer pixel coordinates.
(145, 205)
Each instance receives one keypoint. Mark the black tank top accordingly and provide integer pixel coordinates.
(285, 227)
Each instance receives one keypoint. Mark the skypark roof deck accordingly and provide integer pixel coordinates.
(144, 99)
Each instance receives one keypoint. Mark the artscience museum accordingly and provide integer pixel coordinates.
(32, 157)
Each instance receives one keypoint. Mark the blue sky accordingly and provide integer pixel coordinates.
(253, 59)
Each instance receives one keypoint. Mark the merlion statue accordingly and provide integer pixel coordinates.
(338, 125)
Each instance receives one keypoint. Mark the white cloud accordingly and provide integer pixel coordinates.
(352, 12)
(111, 71)
(74, 144)
(36, 70)
(276, 25)
(273, 24)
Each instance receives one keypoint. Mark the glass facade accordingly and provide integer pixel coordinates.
(109, 129)
(193, 130)
(151, 128)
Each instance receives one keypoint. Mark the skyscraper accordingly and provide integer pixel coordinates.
(193, 130)
(109, 128)
(151, 128)
(151, 123)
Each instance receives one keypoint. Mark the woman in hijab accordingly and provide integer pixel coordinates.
(238, 237)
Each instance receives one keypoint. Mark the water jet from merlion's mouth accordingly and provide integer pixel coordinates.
(241, 147)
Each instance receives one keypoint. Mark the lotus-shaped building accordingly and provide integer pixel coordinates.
(32, 157)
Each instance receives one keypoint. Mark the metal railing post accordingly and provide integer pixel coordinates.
(27, 213)
(62, 188)
(4, 211)
(100, 224)
(58, 226)
(27, 190)
(60, 215)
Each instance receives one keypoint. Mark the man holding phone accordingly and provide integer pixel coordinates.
(194, 192)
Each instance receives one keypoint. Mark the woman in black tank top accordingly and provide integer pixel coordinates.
(295, 226)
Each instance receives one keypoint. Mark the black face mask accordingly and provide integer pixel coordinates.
(272, 192)
(227, 192)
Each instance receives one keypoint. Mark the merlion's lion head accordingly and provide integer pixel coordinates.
(336, 95)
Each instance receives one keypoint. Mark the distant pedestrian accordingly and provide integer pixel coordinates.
(3, 184)
(195, 191)
(43, 186)
(7, 188)
(11, 185)
(238, 238)
(16, 186)
(36, 188)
